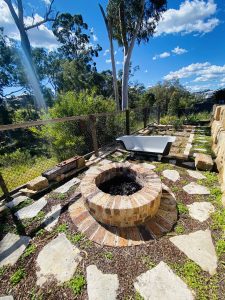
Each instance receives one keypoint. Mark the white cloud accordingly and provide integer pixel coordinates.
(162, 55)
(106, 52)
(108, 61)
(192, 16)
(115, 52)
(146, 71)
(42, 37)
(177, 50)
(200, 72)
(95, 38)
(47, 1)
(119, 62)
(199, 88)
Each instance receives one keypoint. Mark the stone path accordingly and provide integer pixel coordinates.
(16, 201)
(160, 283)
(198, 246)
(65, 187)
(196, 174)
(12, 247)
(32, 210)
(51, 218)
(196, 189)
(172, 175)
(101, 286)
(200, 210)
(57, 260)
(6, 298)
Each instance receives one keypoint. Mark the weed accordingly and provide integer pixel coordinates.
(62, 228)
(87, 244)
(182, 209)
(17, 276)
(34, 295)
(218, 219)
(179, 229)
(147, 262)
(76, 284)
(60, 196)
(137, 296)
(76, 238)
(30, 249)
(40, 216)
(2, 271)
(108, 255)
(40, 232)
(220, 247)
(175, 189)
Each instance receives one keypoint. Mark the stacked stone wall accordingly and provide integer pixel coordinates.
(218, 136)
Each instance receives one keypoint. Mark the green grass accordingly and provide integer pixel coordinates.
(29, 250)
(218, 219)
(2, 271)
(182, 208)
(76, 284)
(179, 229)
(205, 287)
(17, 276)
(148, 262)
(108, 255)
(62, 228)
(76, 238)
(18, 174)
(220, 247)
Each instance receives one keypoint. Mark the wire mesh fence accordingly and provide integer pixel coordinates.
(27, 152)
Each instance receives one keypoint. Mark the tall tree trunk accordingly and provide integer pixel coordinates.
(109, 31)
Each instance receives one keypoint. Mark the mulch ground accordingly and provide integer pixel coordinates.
(127, 263)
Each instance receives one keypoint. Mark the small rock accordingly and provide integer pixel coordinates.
(16, 201)
(12, 247)
(196, 189)
(148, 166)
(27, 192)
(160, 283)
(200, 210)
(198, 246)
(196, 174)
(37, 184)
(57, 260)
(203, 162)
(101, 286)
(32, 210)
(52, 217)
(65, 187)
(172, 175)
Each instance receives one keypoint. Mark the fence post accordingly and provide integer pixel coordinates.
(92, 119)
(4, 187)
(145, 117)
(127, 122)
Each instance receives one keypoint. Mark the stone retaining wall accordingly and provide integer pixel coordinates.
(218, 136)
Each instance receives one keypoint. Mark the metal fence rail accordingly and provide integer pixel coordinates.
(28, 149)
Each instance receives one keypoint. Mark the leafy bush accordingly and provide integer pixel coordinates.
(16, 158)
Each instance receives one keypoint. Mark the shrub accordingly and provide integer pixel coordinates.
(17, 276)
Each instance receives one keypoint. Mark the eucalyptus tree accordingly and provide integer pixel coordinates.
(16, 8)
(133, 21)
(108, 24)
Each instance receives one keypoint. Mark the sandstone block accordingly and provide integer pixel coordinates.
(203, 162)
(37, 184)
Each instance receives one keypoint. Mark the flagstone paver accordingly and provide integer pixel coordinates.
(57, 260)
(101, 286)
(198, 246)
(16, 201)
(51, 219)
(6, 298)
(65, 187)
(12, 247)
(32, 210)
(196, 189)
(172, 175)
(196, 174)
(200, 210)
(160, 283)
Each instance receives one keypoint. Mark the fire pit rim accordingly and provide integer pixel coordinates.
(133, 209)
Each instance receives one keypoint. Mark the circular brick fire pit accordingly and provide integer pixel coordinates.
(142, 190)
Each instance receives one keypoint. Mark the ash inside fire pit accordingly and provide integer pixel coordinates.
(120, 185)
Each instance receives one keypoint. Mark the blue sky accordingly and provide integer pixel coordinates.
(189, 43)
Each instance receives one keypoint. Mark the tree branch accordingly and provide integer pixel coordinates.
(20, 10)
(9, 94)
(46, 18)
